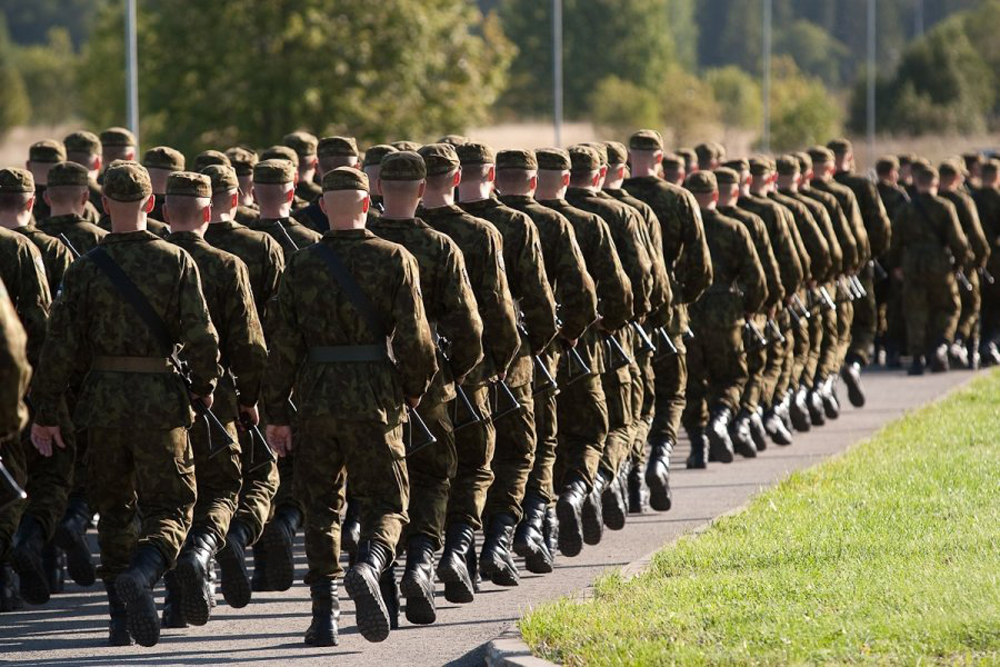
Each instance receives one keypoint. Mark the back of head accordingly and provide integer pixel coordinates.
(477, 160)
(84, 148)
(17, 190)
(273, 180)
(585, 166)
(188, 198)
(705, 188)
(209, 157)
(127, 191)
(225, 184)
(334, 152)
(516, 170)
(442, 165)
(345, 197)
(926, 178)
(401, 181)
(117, 143)
(68, 187)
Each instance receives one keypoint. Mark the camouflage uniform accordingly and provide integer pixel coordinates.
(81, 234)
(988, 205)
(14, 375)
(891, 334)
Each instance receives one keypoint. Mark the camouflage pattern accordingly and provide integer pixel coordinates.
(55, 255)
(289, 234)
(988, 205)
(153, 221)
(652, 237)
(927, 243)
(23, 272)
(82, 234)
(262, 255)
(14, 370)
(968, 217)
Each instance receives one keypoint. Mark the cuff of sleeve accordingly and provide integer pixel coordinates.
(279, 415)
(46, 412)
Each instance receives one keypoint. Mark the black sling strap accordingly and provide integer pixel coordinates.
(133, 296)
(352, 290)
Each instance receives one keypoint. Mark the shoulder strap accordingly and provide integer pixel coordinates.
(133, 296)
(352, 290)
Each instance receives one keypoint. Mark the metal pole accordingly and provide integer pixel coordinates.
(131, 69)
(557, 70)
(918, 18)
(871, 81)
(766, 138)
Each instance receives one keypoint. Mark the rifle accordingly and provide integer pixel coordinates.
(573, 358)
(647, 344)
(288, 237)
(474, 417)
(427, 438)
(666, 344)
(548, 382)
(804, 312)
(257, 440)
(859, 288)
(844, 287)
(772, 328)
(963, 280)
(201, 410)
(12, 491)
(879, 271)
(986, 275)
(616, 353)
(824, 298)
(501, 390)
(73, 251)
(756, 338)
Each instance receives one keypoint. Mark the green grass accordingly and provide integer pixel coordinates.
(889, 554)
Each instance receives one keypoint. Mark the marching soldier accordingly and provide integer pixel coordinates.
(305, 144)
(888, 293)
(330, 153)
(988, 204)
(243, 161)
(84, 148)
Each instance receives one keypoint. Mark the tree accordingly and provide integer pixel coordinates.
(213, 74)
(49, 72)
(802, 112)
(14, 105)
(687, 105)
(619, 107)
(737, 95)
(814, 50)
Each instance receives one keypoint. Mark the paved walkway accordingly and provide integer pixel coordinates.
(71, 629)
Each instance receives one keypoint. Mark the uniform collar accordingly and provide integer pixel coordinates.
(333, 234)
(481, 205)
(141, 235)
(185, 236)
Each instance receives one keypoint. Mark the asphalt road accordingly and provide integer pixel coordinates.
(71, 629)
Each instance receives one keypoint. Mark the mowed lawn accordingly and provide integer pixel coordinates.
(889, 554)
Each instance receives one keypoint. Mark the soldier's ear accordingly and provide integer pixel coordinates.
(366, 204)
(457, 179)
(150, 204)
(533, 183)
(97, 163)
(206, 215)
(234, 200)
(322, 204)
(422, 189)
(565, 179)
(378, 185)
(290, 195)
(30, 204)
(491, 174)
(45, 196)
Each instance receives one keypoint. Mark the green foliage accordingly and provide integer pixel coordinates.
(886, 555)
(49, 72)
(30, 21)
(687, 105)
(802, 112)
(619, 107)
(213, 74)
(15, 107)
(683, 31)
(629, 39)
(814, 50)
(738, 96)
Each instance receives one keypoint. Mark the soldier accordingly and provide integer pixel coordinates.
(67, 197)
(55, 256)
(710, 156)
(482, 246)
(329, 153)
(265, 263)
(286, 153)
(85, 148)
(973, 162)
(927, 243)
(226, 287)
(145, 462)
(988, 204)
(689, 266)
(334, 336)
(718, 367)
(965, 349)
(536, 312)
(42, 155)
(581, 407)
(208, 158)
(406, 146)
(906, 172)
(748, 432)
(576, 299)
(305, 144)
(117, 143)
(371, 166)
(889, 294)
(589, 168)
(453, 316)
(160, 162)
(243, 161)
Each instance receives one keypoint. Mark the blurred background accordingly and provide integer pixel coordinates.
(222, 72)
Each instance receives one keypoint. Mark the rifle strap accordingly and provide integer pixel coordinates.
(352, 290)
(133, 296)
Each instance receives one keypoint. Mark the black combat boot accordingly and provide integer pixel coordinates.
(70, 536)
(972, 352)
(799, 410)
(637, 489)
(54, 562)
(193, 567)
(232, 562)
(591, 512)
(783, 410)
(118, 634)
(740, 436)
(916, 366)
(893, 357)
(26, 557)
(452, 568)
(362, 584)
(814, 403)
(698, 458)
(657, 474)
(173, 615)
(135, 588)
(495, 561)
(529, 538)
(775, 427)
(389, 588)
(958, 353)
(472, 565)
(613, 507)
(417, 585)
(350, 530)
(278, 540)
(851, 374)
(550, 528)
(939, 358)
(259, 583)
(325, 614)
(569, 510)
(990, 354)
(10, 596)
(720, 447)
(757, 431)
(828, 394)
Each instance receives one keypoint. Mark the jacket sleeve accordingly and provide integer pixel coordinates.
(751, 274)
(537, 302)
(33, 298)
(576, 291)
(63, 345)
(245, 351)
(957, 240)
(195, 331)
(694, 267)
(501, 338)
(460, 322)
(286, 348)
(772, 274)
(876, 221)
(412, 340)
(613, 289)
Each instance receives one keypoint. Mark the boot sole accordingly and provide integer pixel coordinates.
(614, 517)
(718, 451)
(280, 569)
(311, 640)
(570, 531)
(143, 622)
(369, 609)
(196, 607)
(235, 579)
(79, 563)
(498, 571)
(420, 608)
(34, 585)
(593, 526)
(535, 559)
(854, 393)
(659, 495)
(457, 583)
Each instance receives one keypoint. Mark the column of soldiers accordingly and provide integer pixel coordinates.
(394, 351)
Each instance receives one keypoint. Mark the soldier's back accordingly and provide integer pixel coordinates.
(80, 232)
(262, 255)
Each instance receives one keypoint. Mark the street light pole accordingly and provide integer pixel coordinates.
(871, 81)
(131, 69)
(557, 70)
(766, 138)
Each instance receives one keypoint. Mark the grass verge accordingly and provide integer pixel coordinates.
(889, 554)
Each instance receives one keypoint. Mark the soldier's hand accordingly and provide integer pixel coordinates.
(207, 400)
(42, 438)
(280, 439)
(412, 401)
(897, 273)
(250, 414)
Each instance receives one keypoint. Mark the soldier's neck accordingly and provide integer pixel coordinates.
(56, 211)
(275, 212)
(439, 199)
(549, 195)
(399, 210)
(473, 192)
(15, 220)
(219, 217)
(643, 171)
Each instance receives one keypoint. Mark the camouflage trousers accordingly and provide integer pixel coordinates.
(218, 478)
(865, 322)
(932, 307)
(670, 392)
(972, 301)
(717, 371)
(50, 479)
(372, 454)
(643, 397)
(546, 436)
(513, 457)
(780, 361)
(257, 491)
(830, 343)
(144, 473)
(431, 470)
(895, 316)
(474, 447)
(845, 323)
(756, 366)
(12, 452)
(583, 428)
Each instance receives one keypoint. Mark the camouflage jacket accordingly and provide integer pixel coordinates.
(308, 191)
(23, 272)
(813, 241)
(968, 217)
(849, 203)
(529, 286)
(313, 311)
(289, 234)
(565, 266)
(872, 210)
(55, 255)
(247, 215)
(988, 205)
(738, 285)
(825, 225)
(625, 226)
(783, 244)
(262, 255)
(95, 196)
(482, 248)
(81, 234)
(892, 196)
(91, 319)
(448, 299)
(851, 260)
(762, 244)
(225, 283)
(41, 209)
(313, 217)
(153, 224)
(927, 236)
(14, 370)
